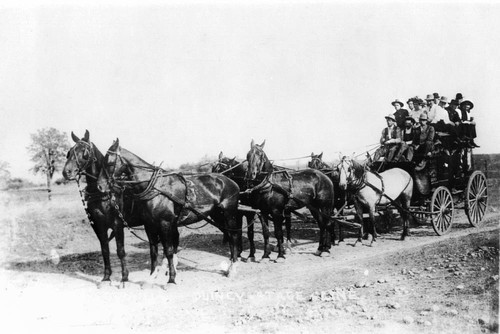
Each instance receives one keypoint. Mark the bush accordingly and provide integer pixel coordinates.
(19, 183)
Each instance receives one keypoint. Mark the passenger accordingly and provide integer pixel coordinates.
(432, 106)
(411, 106)
(436, 98)
(424, 109)
(389, 141)
(468, 124)
(441, 121)
(400, 114)
(409, 140)
(425, 143)
(417, 109)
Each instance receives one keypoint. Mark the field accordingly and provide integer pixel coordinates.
(51, 269)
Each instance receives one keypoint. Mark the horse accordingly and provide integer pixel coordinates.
(85, 159)
(281, 191)
(333, 173)
(369, 189)
(169, 200)
(236, 171)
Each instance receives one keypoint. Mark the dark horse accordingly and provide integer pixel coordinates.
(169, 200)
(281, 191)
(334, 175)
(85, 159)
(236, 171)
(369, 189)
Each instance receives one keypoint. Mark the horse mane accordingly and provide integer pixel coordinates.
(358, 169)
(135, 159)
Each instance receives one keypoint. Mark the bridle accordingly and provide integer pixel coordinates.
(317, 163)
(256, 152)
(351, 182)
(82, 169)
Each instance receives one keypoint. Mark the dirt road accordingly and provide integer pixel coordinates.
(426, 283)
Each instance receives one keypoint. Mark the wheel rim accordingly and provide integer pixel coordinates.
(442, 210)
(476, 198)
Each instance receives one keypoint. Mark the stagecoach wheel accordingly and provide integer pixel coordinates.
(441, 208)
(476, 198)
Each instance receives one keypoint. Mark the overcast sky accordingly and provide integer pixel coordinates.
(185, 79)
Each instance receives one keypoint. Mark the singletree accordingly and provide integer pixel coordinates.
(48, 150)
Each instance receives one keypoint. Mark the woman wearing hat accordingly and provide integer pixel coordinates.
(389, 141)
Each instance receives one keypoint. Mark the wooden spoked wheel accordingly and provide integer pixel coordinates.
(476, 198)
(441, 208)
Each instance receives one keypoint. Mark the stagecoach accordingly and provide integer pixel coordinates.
(446, 182)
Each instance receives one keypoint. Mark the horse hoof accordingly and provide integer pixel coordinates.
(251, 259)
(317, 253)
(266, 259)
(231, 272)
(325, 254)
(104, 284)
(280, 260)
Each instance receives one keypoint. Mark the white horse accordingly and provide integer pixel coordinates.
(394, 186)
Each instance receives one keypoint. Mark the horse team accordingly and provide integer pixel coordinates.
(123, 190)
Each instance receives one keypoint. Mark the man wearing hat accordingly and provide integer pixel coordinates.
(400, 114)
(409, 140)
(459, 98)
(468, 124)
(431, 107)
(453, 115)
(425, 144)
(389, 141)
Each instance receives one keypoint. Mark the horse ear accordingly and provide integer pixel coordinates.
(86, 136)
(115, 145)
(233, 159)
(263, 143)
(75, 138)
(312, 154)
(321, 155)
(252, 144)
(221, 155)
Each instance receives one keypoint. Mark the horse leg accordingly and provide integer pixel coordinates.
(324, 235)
(120, 250)
(250, 234)
(168, 236)
(101, 233)
(372, 229)
(234, 227)
(266, 234)
(288, 226)
(278, 233)
(405, 205)
(359, 218)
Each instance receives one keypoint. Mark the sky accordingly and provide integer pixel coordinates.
(179, 80)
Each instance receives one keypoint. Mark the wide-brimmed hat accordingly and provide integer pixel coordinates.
(454, 102)
(459, 96)
(443, 99)
(423, 116)
(399, 102)
(409, 118)
(391, 116)
(467, 102)
(436, 95)
(429, 97)
(411, 99)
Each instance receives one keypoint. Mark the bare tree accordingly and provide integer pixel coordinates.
(48, 151)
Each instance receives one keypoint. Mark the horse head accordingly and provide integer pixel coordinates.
(223, 164)
(350, 172)
(115, 168)
(257, 161)
(317, 162)
(80, 157)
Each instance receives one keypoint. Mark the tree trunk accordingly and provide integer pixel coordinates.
(49, 190)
